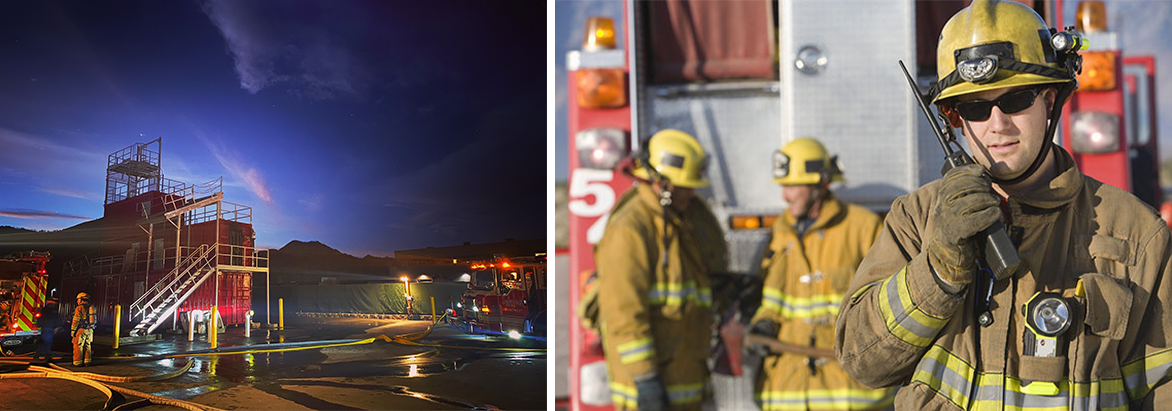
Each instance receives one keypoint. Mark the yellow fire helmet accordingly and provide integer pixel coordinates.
(805, 161)
(994, 44)
(674, 155)
(83, 296)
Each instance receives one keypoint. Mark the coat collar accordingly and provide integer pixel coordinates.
(832, 211)
(1062, 189)
(650, 199)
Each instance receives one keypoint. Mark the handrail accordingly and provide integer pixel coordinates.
(109, 265)
(168, 282)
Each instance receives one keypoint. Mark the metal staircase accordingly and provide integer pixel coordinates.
(157, 303)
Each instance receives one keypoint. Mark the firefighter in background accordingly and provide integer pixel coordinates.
(1083, 322)
(85, 320)
(816, 245)
(654, 296)
(48, 323)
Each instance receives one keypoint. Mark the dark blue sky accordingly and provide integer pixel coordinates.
(370, 126)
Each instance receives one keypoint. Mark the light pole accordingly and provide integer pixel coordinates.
(407, 284)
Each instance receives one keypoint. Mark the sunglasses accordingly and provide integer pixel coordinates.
(979, 110)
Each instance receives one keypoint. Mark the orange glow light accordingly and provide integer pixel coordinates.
(1091, 17)
(601, 87)
(1098, 71)
(599, 34)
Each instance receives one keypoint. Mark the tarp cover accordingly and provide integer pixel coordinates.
(711, 40)
(384, 298)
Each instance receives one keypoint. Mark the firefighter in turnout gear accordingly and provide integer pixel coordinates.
(816, 245)
(654, 260)
(1082, 323)
(82, 326)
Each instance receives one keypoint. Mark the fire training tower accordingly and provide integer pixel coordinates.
(167, 247)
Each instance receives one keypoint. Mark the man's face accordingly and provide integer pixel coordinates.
(1006, 144)
(681, 197)
(799, 197)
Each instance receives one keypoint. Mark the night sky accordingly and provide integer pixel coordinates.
(370, 126)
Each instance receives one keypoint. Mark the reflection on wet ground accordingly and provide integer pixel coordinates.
(359, 367)
(393, 389)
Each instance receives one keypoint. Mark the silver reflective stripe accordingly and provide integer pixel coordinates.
(902, 316)
(949, 379)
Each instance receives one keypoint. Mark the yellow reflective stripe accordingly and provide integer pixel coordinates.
(771, 299)
(951, 377)
(624, 396)
(905, 320)
(685, 393)
(636, 350)
(864, 289)
(946, 374)
(665, 293)
(1141, 375)
(800, 307)
(628, 397)
(842, 398)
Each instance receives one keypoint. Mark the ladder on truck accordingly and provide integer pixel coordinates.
(160, 301)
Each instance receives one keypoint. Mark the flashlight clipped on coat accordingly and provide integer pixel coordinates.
(1047, 317)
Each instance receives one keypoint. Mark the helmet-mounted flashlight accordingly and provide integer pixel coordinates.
(780, 164)
(979, 70)
(1068, 41)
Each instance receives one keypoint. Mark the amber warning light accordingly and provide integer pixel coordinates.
(599, 86)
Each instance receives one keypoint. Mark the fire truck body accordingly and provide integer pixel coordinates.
(24, 287)
(506, 296)
(833, 75)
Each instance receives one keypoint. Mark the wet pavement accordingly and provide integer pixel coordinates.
(466, 372)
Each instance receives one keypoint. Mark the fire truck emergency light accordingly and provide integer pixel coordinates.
(600, 148)
(1094, 132)
(1098, 71)
(600, 34)
(1092, 16)
(600, 87)
(1098, 67)
(749, 222)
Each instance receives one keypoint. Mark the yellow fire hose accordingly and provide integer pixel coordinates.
(95, 381)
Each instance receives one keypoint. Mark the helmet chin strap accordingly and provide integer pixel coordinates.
(1055, 115)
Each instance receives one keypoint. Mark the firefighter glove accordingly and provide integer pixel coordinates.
(651, 394)
(768, 328)
(765, 328)
(966, 205)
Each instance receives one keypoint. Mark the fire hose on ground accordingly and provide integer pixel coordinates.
(115, 399)
(114, 394)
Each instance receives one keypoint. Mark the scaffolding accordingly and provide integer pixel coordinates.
(135, 173)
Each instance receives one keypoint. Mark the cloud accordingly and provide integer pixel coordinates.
(36, 214)
(286, 43)
(312, 204)
(252, 179)
(84, 195)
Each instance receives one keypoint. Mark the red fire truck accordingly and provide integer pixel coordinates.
(746, 77)
(23, 288)
(1109, 126)
(506, 296)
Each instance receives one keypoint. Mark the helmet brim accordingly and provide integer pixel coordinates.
(1001, 80)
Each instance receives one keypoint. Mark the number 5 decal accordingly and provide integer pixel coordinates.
(587, 182)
